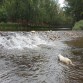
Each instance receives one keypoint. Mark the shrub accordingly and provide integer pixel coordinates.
(78, 25)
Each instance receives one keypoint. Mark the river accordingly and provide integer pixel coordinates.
(32, 57)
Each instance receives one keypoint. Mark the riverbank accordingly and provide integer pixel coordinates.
(29, 26)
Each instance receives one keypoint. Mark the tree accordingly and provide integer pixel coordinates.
(75, 9)
(34, 11)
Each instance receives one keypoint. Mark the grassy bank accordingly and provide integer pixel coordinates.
(78, 25)
(25, 27)
(20, 27)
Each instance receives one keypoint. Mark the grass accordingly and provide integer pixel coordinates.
(24, 27)
(20, 27)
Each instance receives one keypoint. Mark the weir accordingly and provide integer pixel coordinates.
(20, 40)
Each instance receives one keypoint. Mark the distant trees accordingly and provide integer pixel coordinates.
(75, 9)
(36, 11)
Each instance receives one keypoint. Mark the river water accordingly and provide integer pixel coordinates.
(32, 57)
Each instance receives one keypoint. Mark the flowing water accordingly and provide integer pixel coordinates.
(31, 57)
(76, 74)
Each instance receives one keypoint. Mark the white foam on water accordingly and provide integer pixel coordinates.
(20, 41)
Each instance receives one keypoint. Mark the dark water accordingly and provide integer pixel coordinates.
(40, 64)
(76, 50)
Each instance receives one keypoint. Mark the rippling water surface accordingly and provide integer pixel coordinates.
(76, 74)
(31, 57)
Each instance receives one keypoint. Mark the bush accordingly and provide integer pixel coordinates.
(78, 25)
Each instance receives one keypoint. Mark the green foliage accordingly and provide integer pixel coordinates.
(31, 10)
(45, 12)
(17, 27)
(78, 25)
(75, 9)
(3, 15)
(64, 19)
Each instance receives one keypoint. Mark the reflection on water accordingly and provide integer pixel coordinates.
(76, 74)
(78, 43)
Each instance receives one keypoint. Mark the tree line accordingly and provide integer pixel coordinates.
(40, 11)
(32, 11)
(74, 8)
